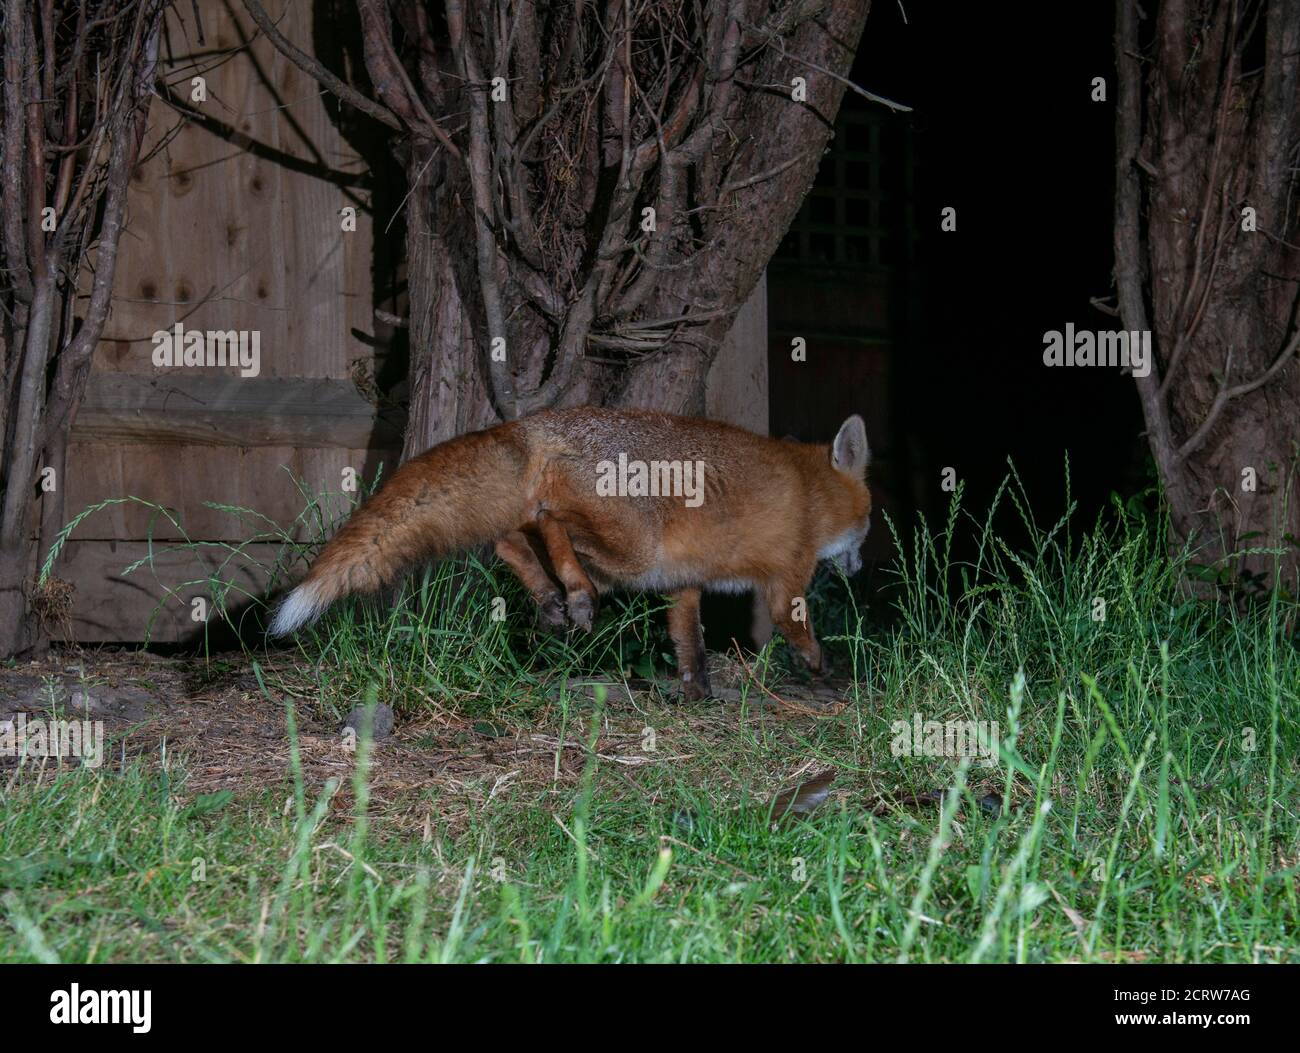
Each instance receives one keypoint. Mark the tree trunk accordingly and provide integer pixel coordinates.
(770, 133)
(447, 394)
(1207, 226)
(595, 186)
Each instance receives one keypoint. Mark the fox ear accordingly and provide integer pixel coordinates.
(850, 453)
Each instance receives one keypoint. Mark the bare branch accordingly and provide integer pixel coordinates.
(14, 132)
(870, 96)
(1128, 225)
(501, 379)
(313, 68)
(390, 78)
(127, 135)
(770, 173)
(1227, 394)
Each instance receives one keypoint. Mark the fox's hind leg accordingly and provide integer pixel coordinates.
(579, 591)
(688, 641)
(517, 553)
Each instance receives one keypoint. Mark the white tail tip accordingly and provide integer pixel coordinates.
(300, 607)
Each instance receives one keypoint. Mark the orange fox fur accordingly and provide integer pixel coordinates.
(768, 510)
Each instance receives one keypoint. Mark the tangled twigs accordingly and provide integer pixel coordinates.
(51, 602)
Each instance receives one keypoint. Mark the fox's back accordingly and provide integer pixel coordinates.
(735, 465)
(596, 434)
(751, 496)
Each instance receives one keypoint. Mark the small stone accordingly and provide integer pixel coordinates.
(383, 723)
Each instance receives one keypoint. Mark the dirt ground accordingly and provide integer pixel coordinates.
(230, 732)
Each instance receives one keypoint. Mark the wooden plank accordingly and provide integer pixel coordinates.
(317, 259)
(215, 409)
(223, 236)
(188, 479)
(109, 607)
(235, 226)
(736, 388)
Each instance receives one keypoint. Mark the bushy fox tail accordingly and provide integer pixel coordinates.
(464, 492)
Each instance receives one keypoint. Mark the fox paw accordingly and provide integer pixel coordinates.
(818, 663)
(696, 687)
(550, 614)
(582, 610)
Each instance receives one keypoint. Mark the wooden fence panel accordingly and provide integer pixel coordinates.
(233, 226)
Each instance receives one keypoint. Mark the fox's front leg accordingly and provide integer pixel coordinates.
(688, 641)
(760, 625)
(580, 594)
(789, 610)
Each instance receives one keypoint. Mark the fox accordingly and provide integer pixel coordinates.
(577, 502)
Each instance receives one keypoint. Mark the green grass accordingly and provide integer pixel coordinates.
(1143, 806)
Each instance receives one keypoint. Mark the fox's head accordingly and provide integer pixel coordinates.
(847, 513)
